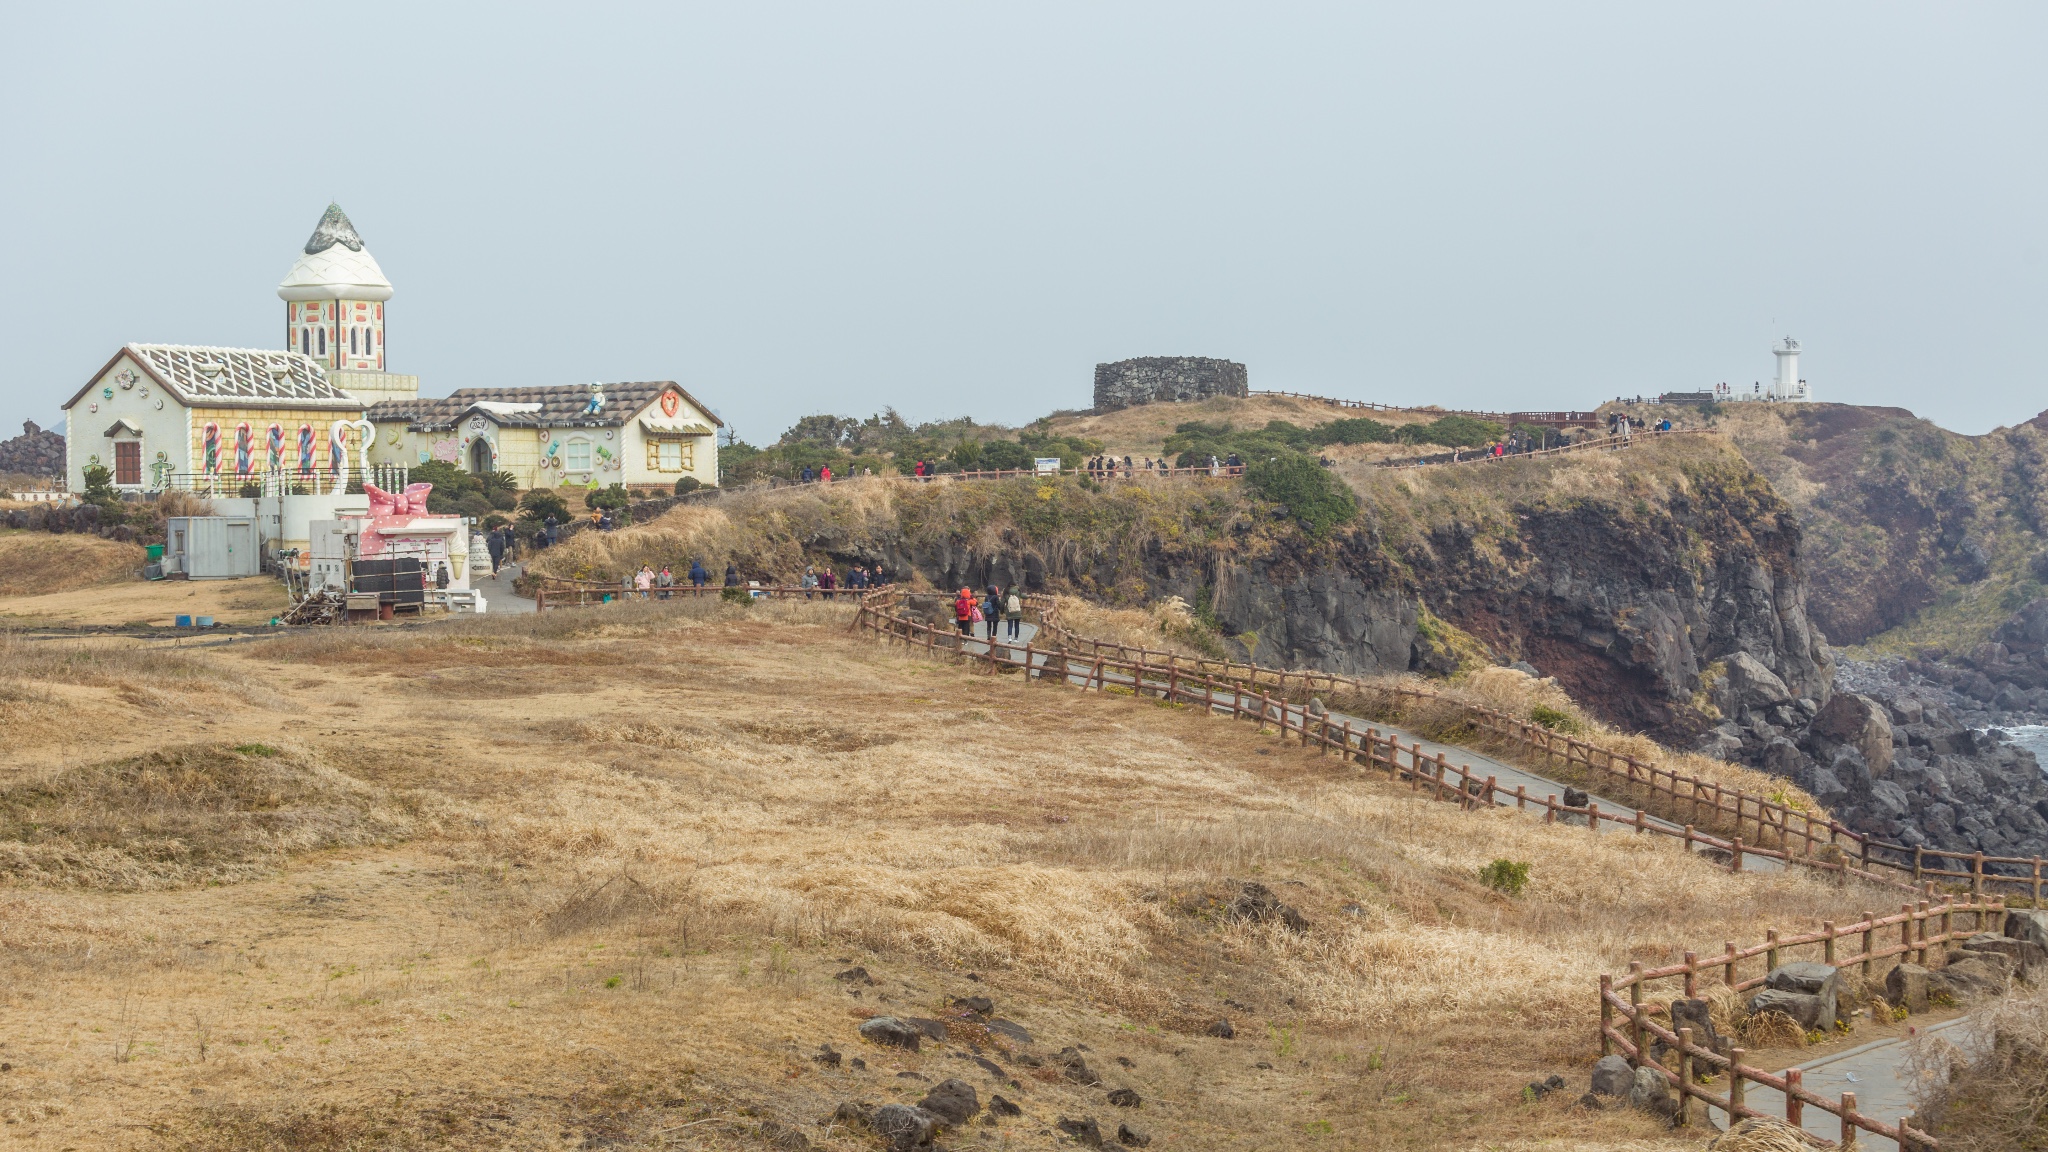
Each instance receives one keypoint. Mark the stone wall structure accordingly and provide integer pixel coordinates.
(36, 452)
(1157, 379)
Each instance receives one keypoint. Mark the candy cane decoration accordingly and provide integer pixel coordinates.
(338, 442)
(243, 451)
(305, 447)
(212, 446)
(276, 447)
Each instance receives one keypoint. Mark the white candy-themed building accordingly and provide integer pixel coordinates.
(281, 435)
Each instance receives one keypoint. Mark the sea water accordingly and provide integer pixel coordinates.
(2032, 737)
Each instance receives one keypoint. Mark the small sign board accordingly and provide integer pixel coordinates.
(1047, 465)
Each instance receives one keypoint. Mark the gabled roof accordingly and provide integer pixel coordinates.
(555, 406)
(201, 377)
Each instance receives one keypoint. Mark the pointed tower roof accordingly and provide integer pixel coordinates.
(335, 265)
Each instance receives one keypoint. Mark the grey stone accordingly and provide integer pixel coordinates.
(1977, 975)
(903, 1128)
(1613, 1076)
(998, 1106)
(933, 1029)
(1751, 684)
(1906, 987)
(1130, 1137)
(1157, 379)
(1822, 980)
(1255, 902)
(953, 1101)
(1801, 1007)
(1084, 1130)
(978, 1005)
(2026, 956)
(1010, 1029)
(1222, 1030)
(1693, 1014)
(855, 975)
(890, 1032)
(1860, 722)
(2030, 924)
(860, 1115)
(1652, 1093)
(827, 1056)
(1525, 668)
(1075, 1067)
(1125, 1098)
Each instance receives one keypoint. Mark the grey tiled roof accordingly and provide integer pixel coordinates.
(561, 405)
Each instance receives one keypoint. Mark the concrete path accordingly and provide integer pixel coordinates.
(1507, 777)
(498, 594)
(1875, 1072)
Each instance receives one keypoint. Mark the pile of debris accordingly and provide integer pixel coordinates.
(326, 606)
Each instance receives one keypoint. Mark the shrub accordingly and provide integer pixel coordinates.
(1359, 430)
(540, 503)
(613, 497)
(1555, 720)
(967, 454)
(1315, 498)
(687, 485)
(1508, 876)
(736, 594)
(249, 491)
(1005, 455)
(1451, 432)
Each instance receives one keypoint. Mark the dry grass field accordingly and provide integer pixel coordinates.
(584, 880)
(32, 563)
(1142, 431)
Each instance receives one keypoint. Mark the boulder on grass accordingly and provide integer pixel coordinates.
(1972, 976)
(953, 1101)
(903, 1128)
(2026, 956)
(1906, 986)
(1652, 1093)
(890, 1032)
(1821, 980)
(2030, 924)
(1613, 1076)
(1805, 1010)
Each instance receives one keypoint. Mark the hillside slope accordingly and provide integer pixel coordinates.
(582, 879)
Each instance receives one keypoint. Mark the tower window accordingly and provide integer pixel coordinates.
(323, 341)
(351, 341)
(306, 341)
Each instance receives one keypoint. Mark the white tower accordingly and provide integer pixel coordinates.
(334, 298)
(1788, 385)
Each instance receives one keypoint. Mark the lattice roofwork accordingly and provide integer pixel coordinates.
(236, 377)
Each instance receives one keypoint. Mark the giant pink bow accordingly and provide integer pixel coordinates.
(411, 502)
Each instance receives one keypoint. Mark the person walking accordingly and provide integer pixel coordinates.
(964, 611)
(827, 581)
(643, 580)
(732, 575)
(808, 581)
(698, 576)
(553, 528)
(1013, 610)
(496, 544)
(665, 581)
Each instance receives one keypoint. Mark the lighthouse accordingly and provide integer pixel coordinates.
(1788, 385)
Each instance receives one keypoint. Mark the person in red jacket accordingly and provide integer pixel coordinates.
(963, 612)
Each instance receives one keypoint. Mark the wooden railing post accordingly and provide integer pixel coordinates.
(1770, 950)
(1848, 1140)
(1728, 969)
(1735, 1094)
(1735, 855)
(1976, 873)
(1685, 1089)
(1635, 1011)
(1795, 1108)
(1692, 976)
(1828, 946)
(1606, 1015)
(1869, 943)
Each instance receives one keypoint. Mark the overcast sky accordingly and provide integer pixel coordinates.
(960, 209)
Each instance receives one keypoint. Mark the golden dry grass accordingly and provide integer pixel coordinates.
(607, 899)
(33, 563)
(1143, 430)
(246, 600)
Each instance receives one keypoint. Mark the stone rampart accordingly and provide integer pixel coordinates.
(1156, 379)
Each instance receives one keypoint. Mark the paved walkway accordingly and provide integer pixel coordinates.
(1507, 777)
(498, 593)
(1875, 1072)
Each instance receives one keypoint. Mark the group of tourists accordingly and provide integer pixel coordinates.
(817, 580)
(993, 605)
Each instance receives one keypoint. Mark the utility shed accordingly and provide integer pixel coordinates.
(211, 547)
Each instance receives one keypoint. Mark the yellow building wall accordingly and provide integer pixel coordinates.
(259, 420)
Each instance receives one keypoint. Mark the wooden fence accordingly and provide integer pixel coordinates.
(1184, 681)
(1554, 419)
(559, 593)
(1476, 456)
(1766, 826)
(1627, 1025)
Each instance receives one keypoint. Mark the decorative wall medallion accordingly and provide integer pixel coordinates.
(143, 392)
(669, 403)
(93, 407)
(607, 433)
(159, 405)
(126, 378)
(476, 424)
(107, 393)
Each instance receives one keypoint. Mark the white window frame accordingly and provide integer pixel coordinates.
(569, 451)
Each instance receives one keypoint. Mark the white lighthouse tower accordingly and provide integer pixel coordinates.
(1788, 385)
